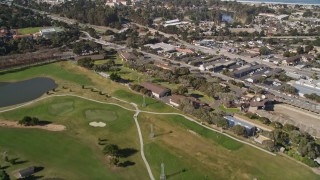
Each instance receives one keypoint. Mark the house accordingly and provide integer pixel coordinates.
(259, 126)
(250, 129)
(48, 33)
(291, 61)
(112, 3)
(92, 57)
(176, 99)
(26, 172)
(164, 66)
(157, 90)
(307, 58)
(126, 56)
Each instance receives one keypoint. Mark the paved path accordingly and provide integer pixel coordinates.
(135, 117)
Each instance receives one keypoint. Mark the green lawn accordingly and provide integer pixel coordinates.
(60, 155)
(29, 30)
(192, 152)
(152, 104)
(49, 149)
(55, 70)
(229, 110)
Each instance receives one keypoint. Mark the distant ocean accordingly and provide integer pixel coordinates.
(305, 2)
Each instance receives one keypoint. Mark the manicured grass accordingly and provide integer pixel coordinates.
(100, 115)
(152, 104)
(56, 70)
(79, 135)
(203, 154)
(229, 110)
(29, 30)
(60, 155)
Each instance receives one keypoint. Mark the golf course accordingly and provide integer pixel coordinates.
(188, 150)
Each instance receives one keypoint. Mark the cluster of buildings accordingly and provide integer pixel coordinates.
(168, 50)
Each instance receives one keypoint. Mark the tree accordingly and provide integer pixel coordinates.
(4, 175)
(308, 48)
(276, 125)
(264, 50)
(182, 90)
(315, 76)
(269, 144)
(86, 62)
(239, 130)
(111, 150)
(300, 50)
(114, 160)
(223, 123)
(115, 77)
(289, 127)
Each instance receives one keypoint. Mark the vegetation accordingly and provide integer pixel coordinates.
(313, 96)
(29, 121)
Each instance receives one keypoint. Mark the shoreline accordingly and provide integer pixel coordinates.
(273, 3)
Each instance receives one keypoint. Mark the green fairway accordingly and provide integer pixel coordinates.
(193, 152)
(100, 115)
(55, 70)
(151, 104)
(61, 155)
(29, 30)
(79, 135)
(60, 108)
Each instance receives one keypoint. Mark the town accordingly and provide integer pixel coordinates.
(239, 76)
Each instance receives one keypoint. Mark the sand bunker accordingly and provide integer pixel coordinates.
(48, 127)
(97, 124)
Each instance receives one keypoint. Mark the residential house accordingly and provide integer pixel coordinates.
(250, 129)
(157, 90)
(175, 100)
(291, 61)
(127, 56)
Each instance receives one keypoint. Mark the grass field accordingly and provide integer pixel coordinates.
(229, 110)
(29, 30)
(78, 142)
(152, 104)
(61, 71)
(192, 152)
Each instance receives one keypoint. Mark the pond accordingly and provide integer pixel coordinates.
(24, 91)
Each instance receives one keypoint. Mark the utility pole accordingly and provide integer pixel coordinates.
(162, 175)
(151, 132)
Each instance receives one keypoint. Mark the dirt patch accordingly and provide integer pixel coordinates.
(48, 127)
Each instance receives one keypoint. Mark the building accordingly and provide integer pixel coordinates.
(48, 33)
(26, 172)
(116, 2)
(156, 90)
(250, 129)
(245, 70)
(176, 99)
(51, 2)
(291, 61)
(162, 47)
(126, 56)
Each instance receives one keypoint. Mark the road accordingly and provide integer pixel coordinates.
(288, 99)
